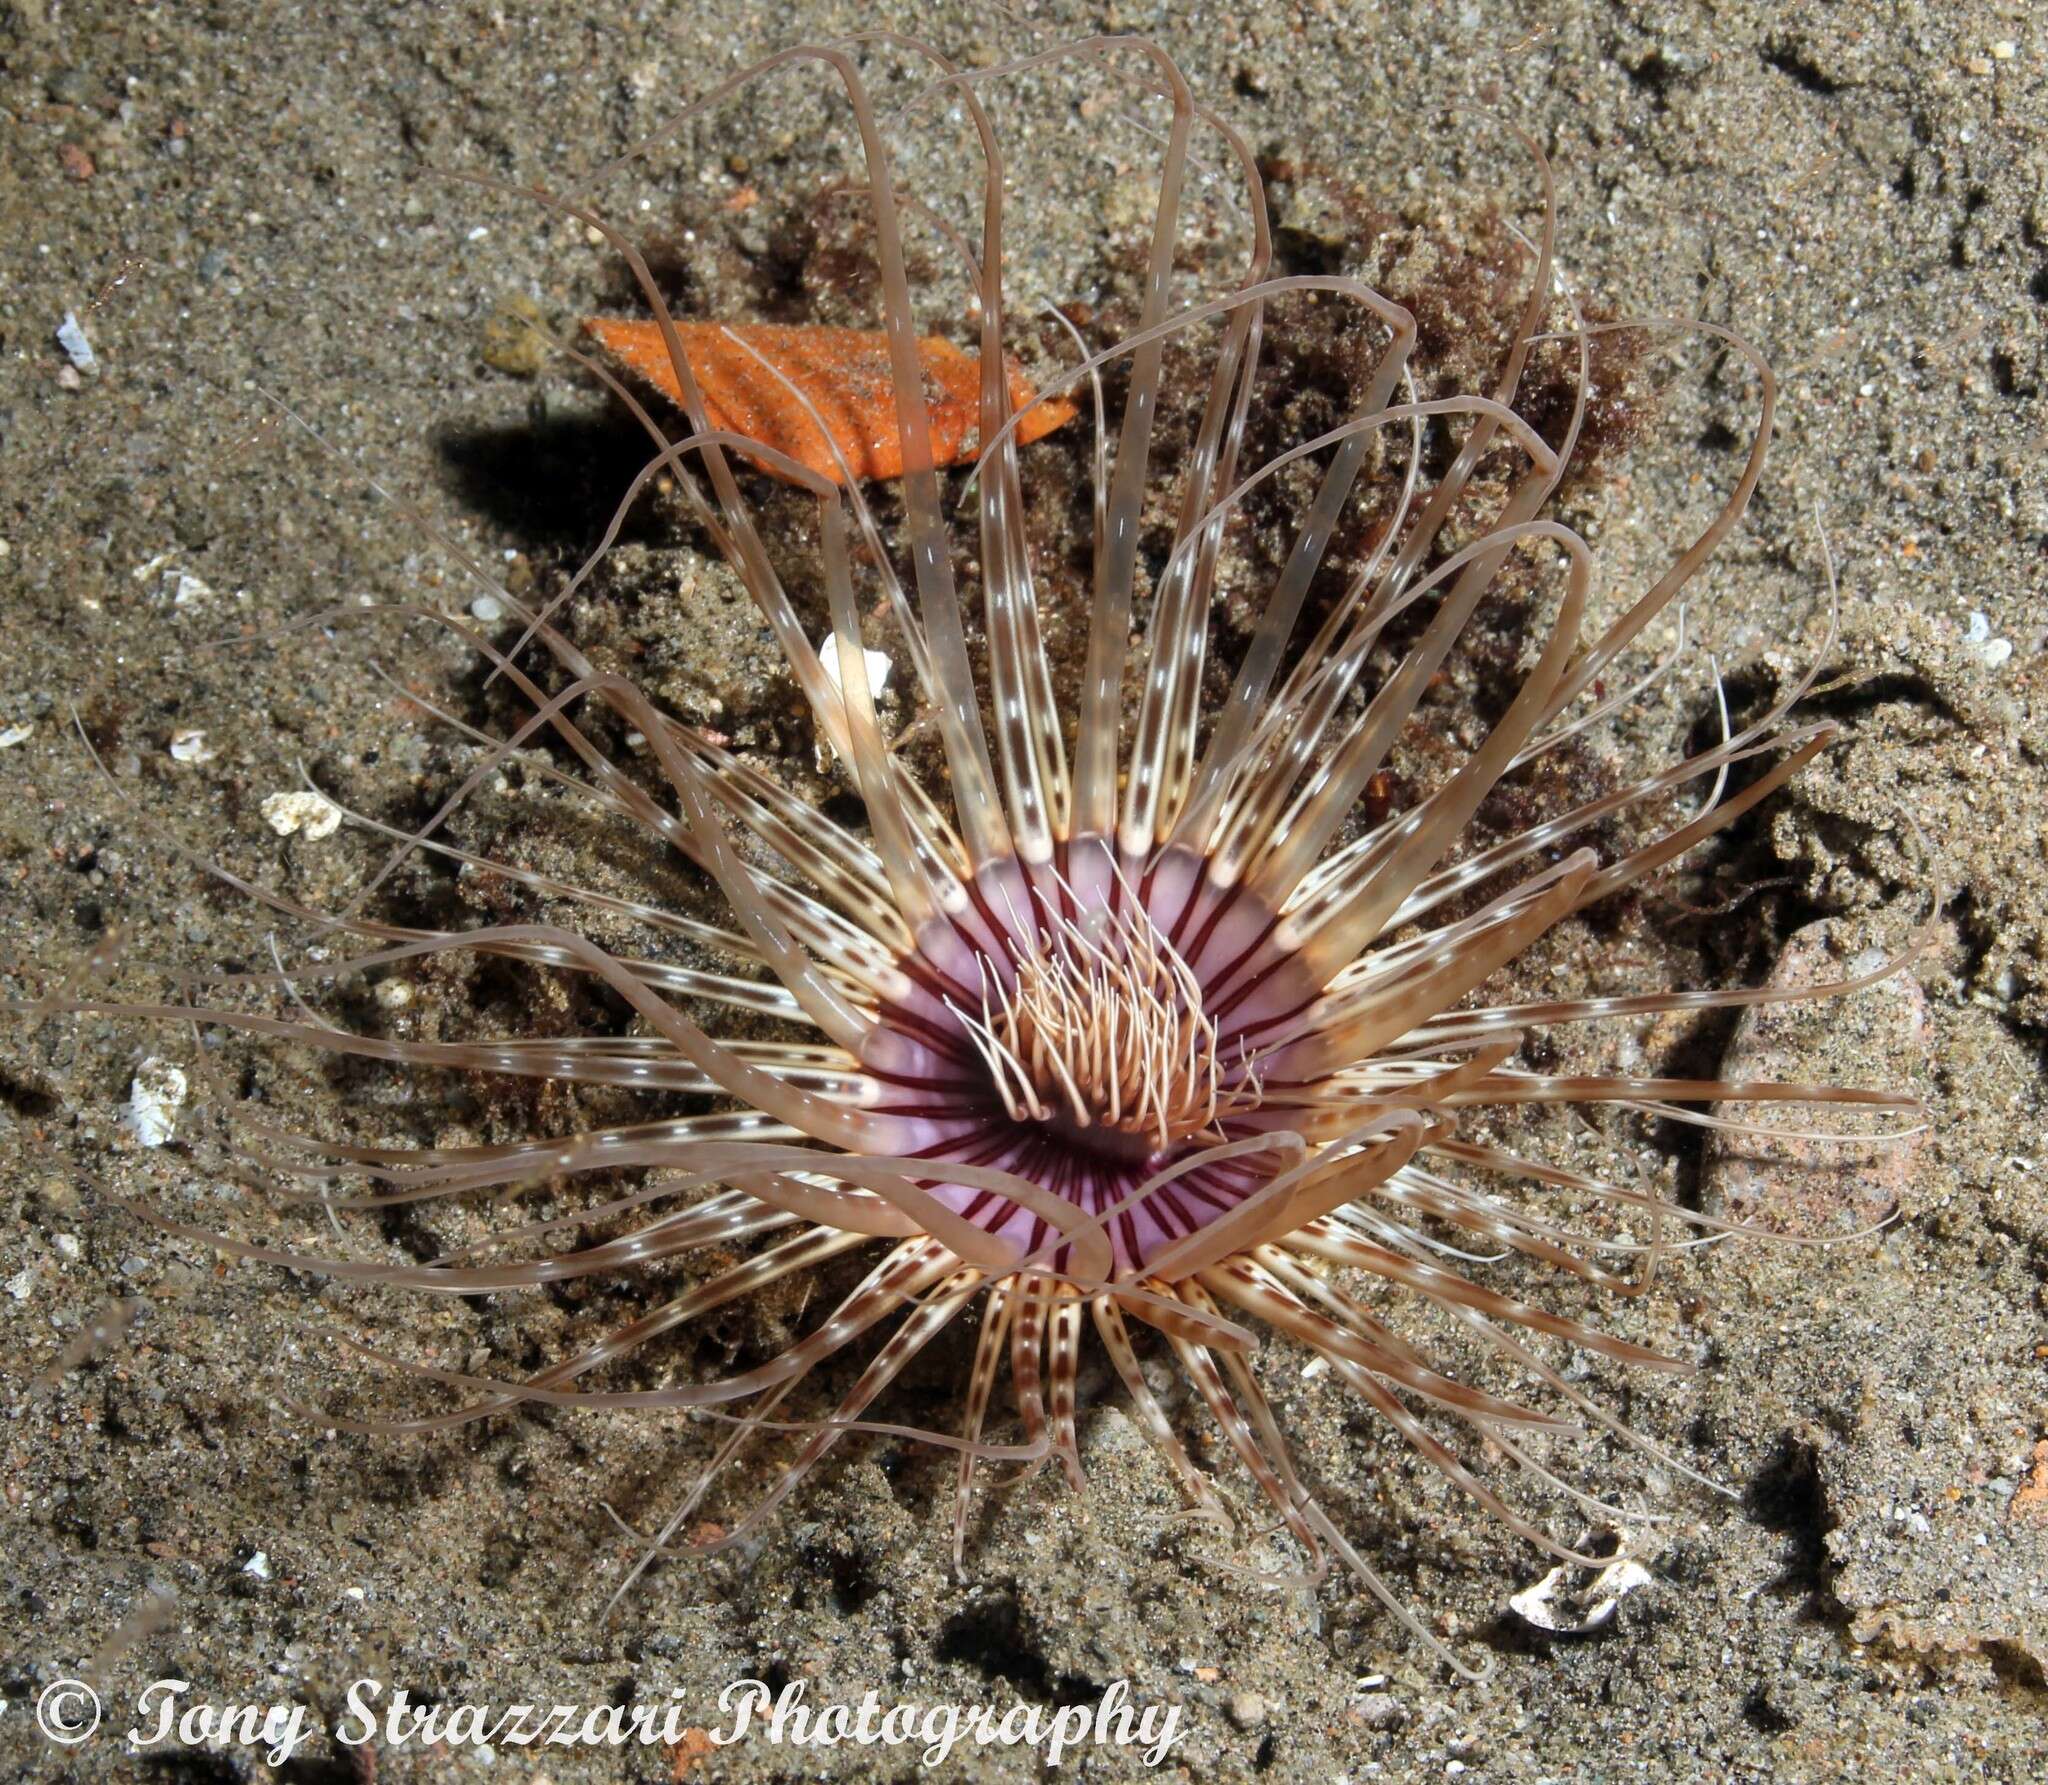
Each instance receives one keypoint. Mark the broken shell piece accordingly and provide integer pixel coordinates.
(879, 666)
(154, 1099)
(312, 813)
(77, 349)
(1549, 1605)
(179, 587)
(191, 746)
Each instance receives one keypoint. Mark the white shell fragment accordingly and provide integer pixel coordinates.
(313, 814)
(191, 746)
(1549, 1606)
(154, 1099)
(77, 349)
(179, 587)
(879, 666)
(16, 734)
(1991, 652)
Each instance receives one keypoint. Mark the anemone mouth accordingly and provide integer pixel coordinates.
(1102, 1146)
(1092, 1021)
(1091, 1030)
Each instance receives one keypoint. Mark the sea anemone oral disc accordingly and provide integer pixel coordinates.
(1060, 1030)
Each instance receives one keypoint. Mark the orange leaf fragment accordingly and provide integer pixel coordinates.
(843, 373)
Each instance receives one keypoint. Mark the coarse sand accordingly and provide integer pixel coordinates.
(209, 212)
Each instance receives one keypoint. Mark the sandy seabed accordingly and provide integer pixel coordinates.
(230, 195)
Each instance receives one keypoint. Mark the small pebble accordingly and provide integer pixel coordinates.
(1247, 1710)
(1379, 1710)
(515, 337)
(312, 813)
(487, 608)
(258, 1565)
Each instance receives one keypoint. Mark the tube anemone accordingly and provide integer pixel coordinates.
(1134, 1022)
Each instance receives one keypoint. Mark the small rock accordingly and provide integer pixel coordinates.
(1876, 1038)
(76, 162)
(312, 813)
(1247, 1709)
(178, 1280)
(1379, 1710)
(1991, 652)
(516, 337)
